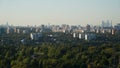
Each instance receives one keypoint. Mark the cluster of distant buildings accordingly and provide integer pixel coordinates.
(88, 32)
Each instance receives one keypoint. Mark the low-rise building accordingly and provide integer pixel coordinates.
(35, 36)
(90, 36)
(81, 36)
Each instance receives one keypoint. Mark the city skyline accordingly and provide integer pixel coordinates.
(72, 12)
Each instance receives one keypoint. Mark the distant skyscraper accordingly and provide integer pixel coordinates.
(102, 25)
(106, 24)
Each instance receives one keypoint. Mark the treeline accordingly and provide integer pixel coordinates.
(49, 55)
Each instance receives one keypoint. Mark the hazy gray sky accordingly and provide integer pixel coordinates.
(73, 12)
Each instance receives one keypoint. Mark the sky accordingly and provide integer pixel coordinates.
(72, 12)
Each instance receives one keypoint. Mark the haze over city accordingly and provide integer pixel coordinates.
(72, 12)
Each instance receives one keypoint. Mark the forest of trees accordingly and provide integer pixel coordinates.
(71, 53)
(49, 55)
